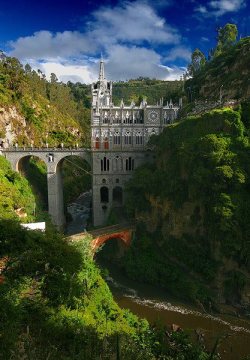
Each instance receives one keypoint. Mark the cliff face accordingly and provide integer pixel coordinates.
(195, 202)
(227, 75)
(11, 123)
(46, 125)
(34, 111)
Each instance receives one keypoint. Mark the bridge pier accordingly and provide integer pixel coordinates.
(55, 198)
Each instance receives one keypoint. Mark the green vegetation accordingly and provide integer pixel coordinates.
(47, 107)
(16, 197)
(54, 304)
(195, 202)
(35, 172)
(76, 178)
(133, 90)
(151, 89)
(226, 73)
(226, 38)
(198, 62)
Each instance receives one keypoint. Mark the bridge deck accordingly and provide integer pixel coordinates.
(107, 230)
(43, 149)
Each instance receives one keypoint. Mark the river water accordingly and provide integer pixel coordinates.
(157, 306)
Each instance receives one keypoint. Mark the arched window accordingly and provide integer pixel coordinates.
(117, 164)
(117, 118)
(117, 138)
(105, 164)
(127, 138)
(105, 118)
(138, 138)
(127, 118)
(117, 196)
(106, 143)
(129, 164)
(104, 194)
(97, 142)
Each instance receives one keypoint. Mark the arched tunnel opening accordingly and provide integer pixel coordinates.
(34, 170)
(77, 196)
(111, 251)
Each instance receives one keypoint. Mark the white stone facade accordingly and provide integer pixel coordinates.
(119, 138)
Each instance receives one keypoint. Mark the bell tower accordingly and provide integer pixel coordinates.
(101, 91)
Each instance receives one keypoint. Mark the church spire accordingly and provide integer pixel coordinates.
(101, 72)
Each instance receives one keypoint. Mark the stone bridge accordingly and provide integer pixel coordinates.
(124, 232)
(53, 158)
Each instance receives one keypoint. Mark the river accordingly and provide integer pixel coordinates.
(157, 306)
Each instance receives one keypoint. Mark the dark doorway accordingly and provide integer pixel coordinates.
(104, 192)
(117, 196)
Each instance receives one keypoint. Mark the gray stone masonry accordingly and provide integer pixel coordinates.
(53, 159)
(119, 138)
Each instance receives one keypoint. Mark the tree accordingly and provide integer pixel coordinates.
(226, 38)
(198, 61)
(53, 78)
(27, 69)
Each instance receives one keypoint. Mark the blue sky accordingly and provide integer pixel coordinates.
(136, 38)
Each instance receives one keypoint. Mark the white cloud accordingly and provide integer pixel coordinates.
(175, 72)
(46, 45)
(132, 22)
(179, 52)
(68, 72)
(126, 33)
(130, 62)
(221, 7)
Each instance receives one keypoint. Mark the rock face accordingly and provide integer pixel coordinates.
(40, 127)
(11, 124)
(226, 77)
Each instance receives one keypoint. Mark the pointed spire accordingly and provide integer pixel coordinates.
(101, 72)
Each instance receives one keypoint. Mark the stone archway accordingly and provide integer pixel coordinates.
(73, 174)
(124, 236)
(34, 169)
(52, 158)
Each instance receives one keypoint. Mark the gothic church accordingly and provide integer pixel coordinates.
(119, 142)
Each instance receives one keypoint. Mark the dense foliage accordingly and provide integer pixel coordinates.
(16, 197)
(51, 112)
(76, 178)
(226, 74)
(195, 202)
(150, 89)
(54, 304)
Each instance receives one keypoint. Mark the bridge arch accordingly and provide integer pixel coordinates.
(63, 156)
(124, 236)
(73, 177)
(53, 159)
(34, 169)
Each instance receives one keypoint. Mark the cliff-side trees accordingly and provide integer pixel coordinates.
(226, 37)
(197, 63)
